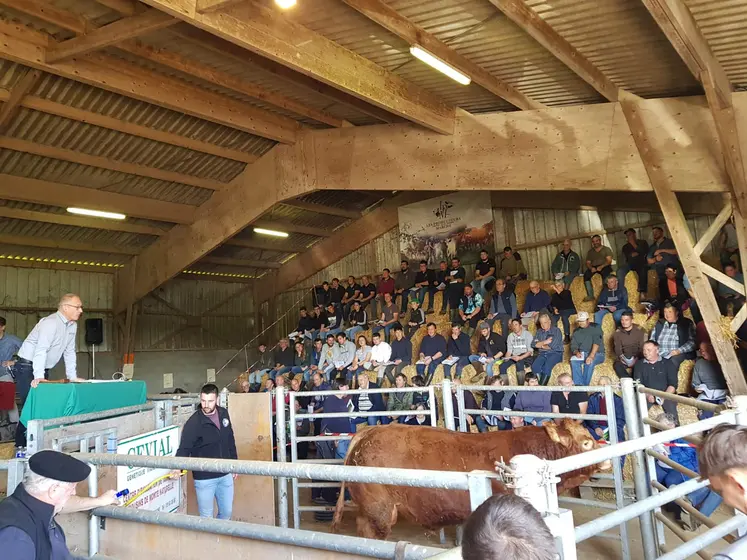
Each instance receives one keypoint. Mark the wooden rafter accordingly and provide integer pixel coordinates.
(323, 209)
(328, 251)
(537, 28)
(69, 220)
(714, 229)
(119, 125)
(16, 96)
(228, 81)
(269, 34)
(203, 6)
(121, 30)
(264, 246)
(22, 45)
(413, 34)
(36, 241)
(49, 13)
(63, 195)
(124, 7)
(680, 234)
(244, 263)
(289, 227)
(53, 152)
(224, 48)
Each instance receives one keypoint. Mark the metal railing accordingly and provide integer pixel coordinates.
(476, 483)
(293, 417)
(610, 418)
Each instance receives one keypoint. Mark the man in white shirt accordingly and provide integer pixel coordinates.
(380, 354)
(52, 338)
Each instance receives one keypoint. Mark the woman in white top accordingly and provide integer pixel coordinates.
(361, 361)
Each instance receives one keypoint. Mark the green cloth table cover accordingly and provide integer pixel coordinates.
(53, 400)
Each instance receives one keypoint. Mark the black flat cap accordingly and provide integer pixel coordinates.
(58, 466)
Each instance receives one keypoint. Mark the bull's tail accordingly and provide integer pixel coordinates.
(339, 510)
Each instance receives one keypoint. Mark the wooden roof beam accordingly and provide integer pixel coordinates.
(323, 209)
(80, 158)
(537, 28)
(78, 221)
(46, 243)
(280, 225)
(265, 246)
(121, 30)
(49, 13)
(132, 129)
(270, 34)
(243, 263)
(24, 46)
(393, 21)
(228, 81)
(124, 7)
(679, 26)
(37, 191)
(15, 98)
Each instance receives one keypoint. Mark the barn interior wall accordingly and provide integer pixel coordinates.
(189, 327)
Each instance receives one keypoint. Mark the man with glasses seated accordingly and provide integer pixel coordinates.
(52, 338)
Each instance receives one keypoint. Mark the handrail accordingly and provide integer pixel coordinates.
(689, 401)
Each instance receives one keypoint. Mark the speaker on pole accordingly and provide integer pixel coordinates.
(94, 332)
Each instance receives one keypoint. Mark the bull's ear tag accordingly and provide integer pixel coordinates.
(552, 432)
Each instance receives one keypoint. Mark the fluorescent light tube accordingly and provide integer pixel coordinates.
(97, 213)
(272, 232)
(285, 4)
(440, 65)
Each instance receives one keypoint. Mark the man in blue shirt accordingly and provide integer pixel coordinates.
(613, 299)
(52, 338)
(9, 345)
(432, 353)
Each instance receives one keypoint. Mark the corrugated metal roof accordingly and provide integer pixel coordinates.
(723, 23)
(76, 234)
(621, 38)
(62, 255)
(348, 200)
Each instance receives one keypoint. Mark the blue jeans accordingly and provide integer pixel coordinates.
(421, 296)
(599, 315)
(482, 425)
(582, 372)
(255, 377)
(565, 317)
(479, 285)
(352, 331)
(704, 500)
(521, 365)
(455, 370)
(386, 330)
(544, 363)
(215, 489)
(474, 358)
(282, 371)
(431, 369)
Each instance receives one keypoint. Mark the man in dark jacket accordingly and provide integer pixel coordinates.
(492, 347)
(563, 307)
(628, 344)
(404, 281)
(458, 352)
(567, 264)
(401, 353)
(672, 288)
(28, 530)
(283, 357)
(503, 306)
(368, 402)
(635, 253)
(675, 336)
(432, 352)
(425, 282)
(209, 434)
(655, 373)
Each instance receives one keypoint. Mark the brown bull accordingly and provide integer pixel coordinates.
(421, 447)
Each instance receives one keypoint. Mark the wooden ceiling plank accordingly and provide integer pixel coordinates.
(204, 6)
(240, 262)
(226, 80)
(264, 246)
(45, 243)
(69, 220)
(270, 34)
(49, 13)
(107, 35)
(324, 209)
(224, 48)
(393, 21)
(128, 79)
(289, 227)
(124, 7)
(111, 123)
(679, 26)
(37, 191)
(80, 158)
(16, 96)
(537, 28)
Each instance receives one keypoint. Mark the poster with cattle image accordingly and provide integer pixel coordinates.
(454, 225)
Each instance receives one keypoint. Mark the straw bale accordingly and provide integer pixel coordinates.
(685, 377)
(408, 371)
(7, 450)
(687, 414)
(646, 323)
(608, 329)
(416, 339)
(603, 369)
(653, 284)
(520, 291)
(631, 284)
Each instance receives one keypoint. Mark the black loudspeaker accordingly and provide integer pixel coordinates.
(94, 332)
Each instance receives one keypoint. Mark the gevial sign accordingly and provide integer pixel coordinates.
(164, 495)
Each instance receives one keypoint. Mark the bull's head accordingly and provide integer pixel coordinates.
(574, 437)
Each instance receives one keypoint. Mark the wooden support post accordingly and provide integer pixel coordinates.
(683, 241)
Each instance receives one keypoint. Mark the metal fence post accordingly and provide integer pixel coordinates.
(433, 405)
(661, 534)
(640, 476)
(16, 468)
(282, 481)
(93, 521)
(480, 488)
(448, 405)
(34, 437)
(617, 470)
(294, 458)
(740, 418)
(159, 414)
(463, 427)
(168, 412)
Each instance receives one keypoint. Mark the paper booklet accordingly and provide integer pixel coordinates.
(441, 286)
(577, 359)
(420, 363)
(450, 361)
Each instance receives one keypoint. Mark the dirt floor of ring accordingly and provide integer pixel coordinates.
(597, 548)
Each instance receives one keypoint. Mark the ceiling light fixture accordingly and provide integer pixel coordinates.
(440, 65)
(285, 4)
(272, 232)
(97, 213)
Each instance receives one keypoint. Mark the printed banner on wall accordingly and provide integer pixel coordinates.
(454, 225)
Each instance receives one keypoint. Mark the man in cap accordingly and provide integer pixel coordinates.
(28, 530)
